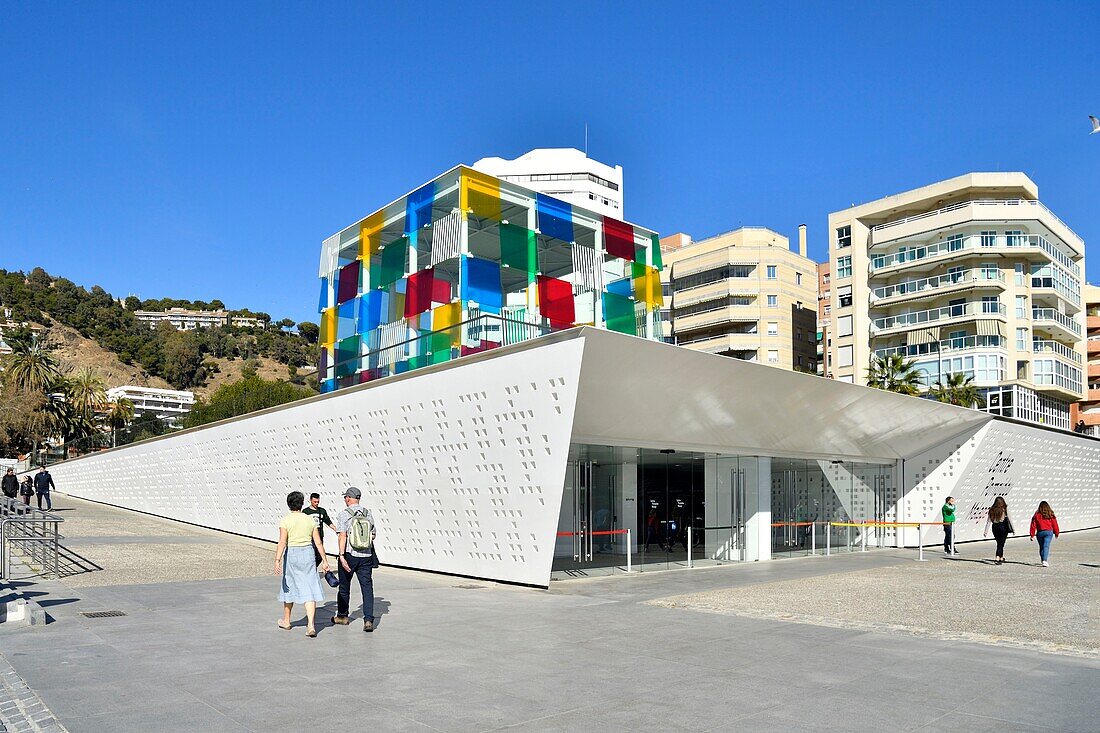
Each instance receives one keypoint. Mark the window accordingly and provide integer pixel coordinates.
(1019, 273)
(1013, 238)
(843, 238)
(844, 326)
(828, 309)
(773, 301)
(798, 278)
(844, 356)
(844, 294)
(1021, 339)
(1021, 306)
(954, 243)
(989, 239)
(771, 272)
(773, 328)
(773, 356)
(844, 266)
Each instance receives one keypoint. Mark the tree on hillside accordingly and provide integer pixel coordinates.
(242, 397)
(182, 360)
(133, 303)
(30, 367)
(309, 331)
(286, 324)
(87, 392)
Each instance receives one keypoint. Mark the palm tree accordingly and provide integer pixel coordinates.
(31, 367)
(86, 392)
(894, 373)
(957, 389)
(119, 414)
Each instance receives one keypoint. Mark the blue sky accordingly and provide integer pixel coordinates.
(204, 150)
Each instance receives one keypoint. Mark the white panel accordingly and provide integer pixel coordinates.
(462, 466)
(447, 237)
(1024, 464)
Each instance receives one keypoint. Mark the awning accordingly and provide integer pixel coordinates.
(923, 336)
(986, 327)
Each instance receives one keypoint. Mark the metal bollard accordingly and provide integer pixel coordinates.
(628, 550)
(813, 538)
(863, 539)
(689, 547)
(828, 539)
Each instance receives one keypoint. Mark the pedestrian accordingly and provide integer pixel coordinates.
(26, 490)
(43, 482)
(356, 532)
(320, 517)
(1044, 526)
(1001, 524)
(10, 484)
(300, 583)
(948, 513)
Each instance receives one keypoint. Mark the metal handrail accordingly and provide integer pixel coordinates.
(27, 527)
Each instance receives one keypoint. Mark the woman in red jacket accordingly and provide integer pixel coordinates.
(1044, 525)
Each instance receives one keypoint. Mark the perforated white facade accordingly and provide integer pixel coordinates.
(465, 464)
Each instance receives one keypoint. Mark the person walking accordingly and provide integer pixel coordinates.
(356, 531)
(1044, 527)
(1001, 524)
(43, 482)
(948, 514)
(320, 517)
(10, 484)
(300, 582)
(26, 490)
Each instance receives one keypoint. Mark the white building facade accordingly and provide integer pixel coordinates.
(585, 450)
(182, 319)
(972, 275)
(165, 404)
(565, 173)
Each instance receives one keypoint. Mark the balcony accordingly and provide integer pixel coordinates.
(1043, 346)
(998, 210)
(968, 311)
(1093, 323)
(714, 291)
(1093, 370)
(721, 344)
(974, 245)
(961, 343)
(1056, 321)
(1093, 346)
(716, 317)
(938, 285)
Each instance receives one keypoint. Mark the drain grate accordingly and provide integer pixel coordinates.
(101, 614)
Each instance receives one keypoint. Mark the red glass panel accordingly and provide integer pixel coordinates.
(418, 292)
(556, 301)
(618, 238)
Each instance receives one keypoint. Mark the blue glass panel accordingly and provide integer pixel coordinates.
(623, 287)
(328, 385)
(555, 217)
(418, 208)
(371, 307)
(323, 299)
(481, 284)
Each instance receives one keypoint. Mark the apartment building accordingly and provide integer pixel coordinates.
(183, 319)
(566, 174)
(248, 322)
(1085, 415)
(8, 325)
(824, 316)
(165, 404)
(744, 294)
(970, 275)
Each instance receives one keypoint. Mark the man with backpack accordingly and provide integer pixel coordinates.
(356, 531)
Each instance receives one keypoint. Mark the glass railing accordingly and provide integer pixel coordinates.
(141, 428)
(980, 203)
(959, 343)
(974, 242)
(947, 312)
(1050, 314)
(938, 282)
(1054, 347)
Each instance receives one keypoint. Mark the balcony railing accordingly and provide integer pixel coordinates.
(959, 343)
(976, 242)
(977, 202)
(1049, 314)
(938, 282)
(947, 312)
(1040, 346)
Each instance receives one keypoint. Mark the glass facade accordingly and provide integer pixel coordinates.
(468, 263)
(699, 508)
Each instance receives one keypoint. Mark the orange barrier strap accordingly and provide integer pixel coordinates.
(792, 524)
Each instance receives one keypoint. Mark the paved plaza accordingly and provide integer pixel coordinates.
(609, 654)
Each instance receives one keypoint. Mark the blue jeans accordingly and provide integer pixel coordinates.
(362, 569)
(1043, 537)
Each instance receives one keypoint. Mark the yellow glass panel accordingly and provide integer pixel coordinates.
(370, 236)
(448, 317)
(328, 327)
(480, 194)
(647, 288)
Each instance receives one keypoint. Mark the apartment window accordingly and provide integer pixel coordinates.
(773, 328)
(825, 281)
(773, 301)
(843, 238)
(844, 326)
(844, 266)
(798, 278)
(1021, 306)
(1021, 339)
(844, 356)
(1012, 238)
(954, 243)
(771, 272)
(844, 295)
(988, 271)
(991, 304)
(773, 356)
(989, 239)
(1019, 273)
(828, 309)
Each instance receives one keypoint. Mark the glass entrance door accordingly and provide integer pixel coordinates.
(582, 512)
(590, 537)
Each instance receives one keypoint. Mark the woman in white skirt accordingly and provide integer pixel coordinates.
(296, 563)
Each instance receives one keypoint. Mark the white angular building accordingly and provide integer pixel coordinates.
(565, 173)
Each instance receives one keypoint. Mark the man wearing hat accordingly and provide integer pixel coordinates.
(359, 562)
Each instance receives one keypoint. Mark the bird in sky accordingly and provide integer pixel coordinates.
(1095, 125)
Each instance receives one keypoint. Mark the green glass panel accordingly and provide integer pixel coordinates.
(517, 248)
(618, 314)
(637, 269)
(440, 347)
(392, 265)
(655, 248)
(415, 362)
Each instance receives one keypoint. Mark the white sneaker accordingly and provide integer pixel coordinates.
(1046, 564)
